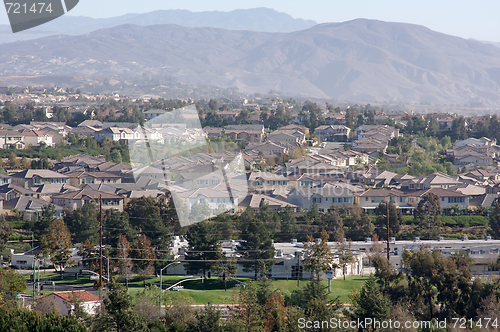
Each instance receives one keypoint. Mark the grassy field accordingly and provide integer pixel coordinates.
(212, 290)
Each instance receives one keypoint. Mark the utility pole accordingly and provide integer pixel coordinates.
(100, 242)
(388, 246)
(298, 269)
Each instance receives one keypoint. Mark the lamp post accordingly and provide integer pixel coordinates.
(107, 258)
(161, 280)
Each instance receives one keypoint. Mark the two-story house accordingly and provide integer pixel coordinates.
(448, 199)
(324, 197)
(77, 199)
(116, 134)
(370, 199)
(79, 179)
(37, 177)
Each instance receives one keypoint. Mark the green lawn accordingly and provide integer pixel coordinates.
(212, 290)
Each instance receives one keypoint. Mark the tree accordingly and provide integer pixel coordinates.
(31, 321)
(203, 243)
(56, 244)
(257, 247)
(495, 219)
(116, 156)
(249, 312)
(13, 161)
(118, 315)
(319, 256)
(289, 226)
(125, 264)
(11, 284)
(5, 232)
(224, 267)
(115, 224)
(438, 286)
(395, 219)
(345, 255)
(370, 302)
(83, 223)
(212, 104)
(427, 212)
(458, 129)
(146, 214)
(200, 211)
(89, 253)
(143, 256)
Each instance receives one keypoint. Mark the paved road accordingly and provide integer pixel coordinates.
(63, 287)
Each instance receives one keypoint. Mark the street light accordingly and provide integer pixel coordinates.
(161, 278)
(107, 258)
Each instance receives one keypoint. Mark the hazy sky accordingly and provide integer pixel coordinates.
(464, 18)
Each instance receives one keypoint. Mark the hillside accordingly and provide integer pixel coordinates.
(360, 60)
(256, 19)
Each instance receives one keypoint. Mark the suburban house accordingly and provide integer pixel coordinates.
(116, 134)
(78, 179)
(37, 177)
(366, 131)
(434, 180)
(332, 132)
(445, 123)
(264, 181)
(370, 145)
(37, 138)
(249, 133)
(11, 191)
(12, 139)
(214, 198)
(335, 119)
(229, 115)
(448, 199)
(475, 141)
(65, 301)
(151, 114)
(324, 197)
(77, 199)
(370, 199)
(287, 136)
(256, 201)
(46, 191)
(29, 207)
(268, 149)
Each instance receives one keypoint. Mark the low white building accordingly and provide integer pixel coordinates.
(65, 301)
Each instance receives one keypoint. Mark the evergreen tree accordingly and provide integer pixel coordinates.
(118, 315)
(427, 212)
(256, 249)
(203, 244)
(370, 303)
(83, 223)
(495, 219)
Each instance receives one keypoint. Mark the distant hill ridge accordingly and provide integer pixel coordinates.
(256, 19)
(360, 60)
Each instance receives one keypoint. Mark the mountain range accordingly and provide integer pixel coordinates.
(360, 60)
(255, 19)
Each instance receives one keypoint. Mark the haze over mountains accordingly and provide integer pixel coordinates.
(360, 60)
(256, 19)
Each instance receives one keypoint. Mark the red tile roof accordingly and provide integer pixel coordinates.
(78, 295)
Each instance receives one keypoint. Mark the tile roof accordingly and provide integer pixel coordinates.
(90, 193)
(78, 295)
